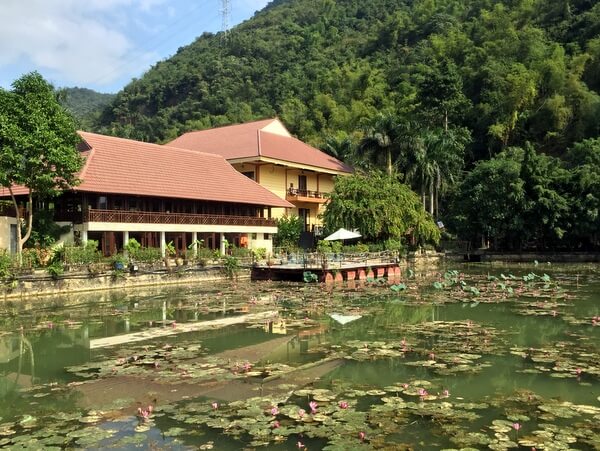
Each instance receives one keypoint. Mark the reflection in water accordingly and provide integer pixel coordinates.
(58, 333)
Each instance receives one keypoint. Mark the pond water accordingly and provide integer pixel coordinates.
(466, 357)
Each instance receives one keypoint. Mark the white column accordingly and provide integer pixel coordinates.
(84, 236)
(163, 244)
(125, 239)
(222, 244)
(195, 243)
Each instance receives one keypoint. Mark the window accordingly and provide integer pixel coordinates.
(254, 236)
(102, 203)
(267, 236)
(249, 174)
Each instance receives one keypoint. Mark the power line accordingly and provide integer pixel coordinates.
(155, 42)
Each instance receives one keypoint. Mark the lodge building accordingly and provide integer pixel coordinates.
(158, 194)
(218, 186)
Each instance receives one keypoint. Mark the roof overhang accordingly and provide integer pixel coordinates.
(289, 164)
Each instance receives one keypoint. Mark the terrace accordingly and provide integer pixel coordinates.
(146, 217)
(303, 195)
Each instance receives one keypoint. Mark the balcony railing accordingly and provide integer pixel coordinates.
(304, 195)
(146, 217)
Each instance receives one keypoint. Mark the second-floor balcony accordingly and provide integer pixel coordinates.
(304, 195)
(146, 217)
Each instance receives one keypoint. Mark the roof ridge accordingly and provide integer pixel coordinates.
(154, 145)
(86, 165)
(258, 138)
(220, 127)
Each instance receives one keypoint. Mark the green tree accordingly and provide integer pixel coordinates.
(380, 207)
(490, 202)
(386, 136)
(289, 229)
(545, 207)
(37, 145)
(434, 162)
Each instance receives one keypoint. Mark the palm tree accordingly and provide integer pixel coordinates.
(433, 162)
(341, 147)
(382, 144)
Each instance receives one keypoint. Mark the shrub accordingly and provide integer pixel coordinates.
(289, 229)
(79, 255)
(260, 253)
(240, 252)
(324, 247)
(132, 246)
(231, 266)
(56, 269)
(147, 255)
(6, 266)
(393, 245)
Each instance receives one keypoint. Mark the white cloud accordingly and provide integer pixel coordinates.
(82, 41)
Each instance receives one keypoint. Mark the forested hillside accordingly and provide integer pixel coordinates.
(441, 86)
(508, 70)
(85, 104)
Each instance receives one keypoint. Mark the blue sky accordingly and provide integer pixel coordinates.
(102, 44)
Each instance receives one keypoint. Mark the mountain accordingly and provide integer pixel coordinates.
(85, 104)
(511, 71)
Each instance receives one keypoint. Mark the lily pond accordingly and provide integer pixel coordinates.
(465, 357)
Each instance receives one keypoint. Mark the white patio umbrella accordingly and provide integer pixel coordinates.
(342, 234)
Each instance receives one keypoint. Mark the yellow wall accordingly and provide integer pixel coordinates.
(5, 223)
(277, 179)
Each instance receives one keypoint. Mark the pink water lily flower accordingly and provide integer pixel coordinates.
(274, 410)
(215, 405)
(422, 392)
(300, 445)
(516, 426)
(343, 405)
(361, 436)
(276, 424)
(301, 412)
(313, 407)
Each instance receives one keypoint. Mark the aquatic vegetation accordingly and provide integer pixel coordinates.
(470, 364)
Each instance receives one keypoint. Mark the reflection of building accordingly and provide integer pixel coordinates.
(267, 153)
(158, 194)
(10, 348)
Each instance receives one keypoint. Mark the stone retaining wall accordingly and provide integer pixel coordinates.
(41, 284)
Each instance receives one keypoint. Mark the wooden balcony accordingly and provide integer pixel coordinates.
(145, 217)
(302, 195)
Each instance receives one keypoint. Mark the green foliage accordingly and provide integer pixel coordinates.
(259, 253)
(6, 265)
(524, 199)
(55, 269)
(359, 248)
(37, 143)
(147, 255)
(81, 255)
(132, 247)
(231, 266)
(289, 229)
(309, 277)
(509, 71)
(170, 250)
(380, 207)
(84, 104)
(45, 231)
(240, 252)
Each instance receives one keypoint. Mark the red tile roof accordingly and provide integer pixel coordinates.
(123, 166)
(250, 140)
